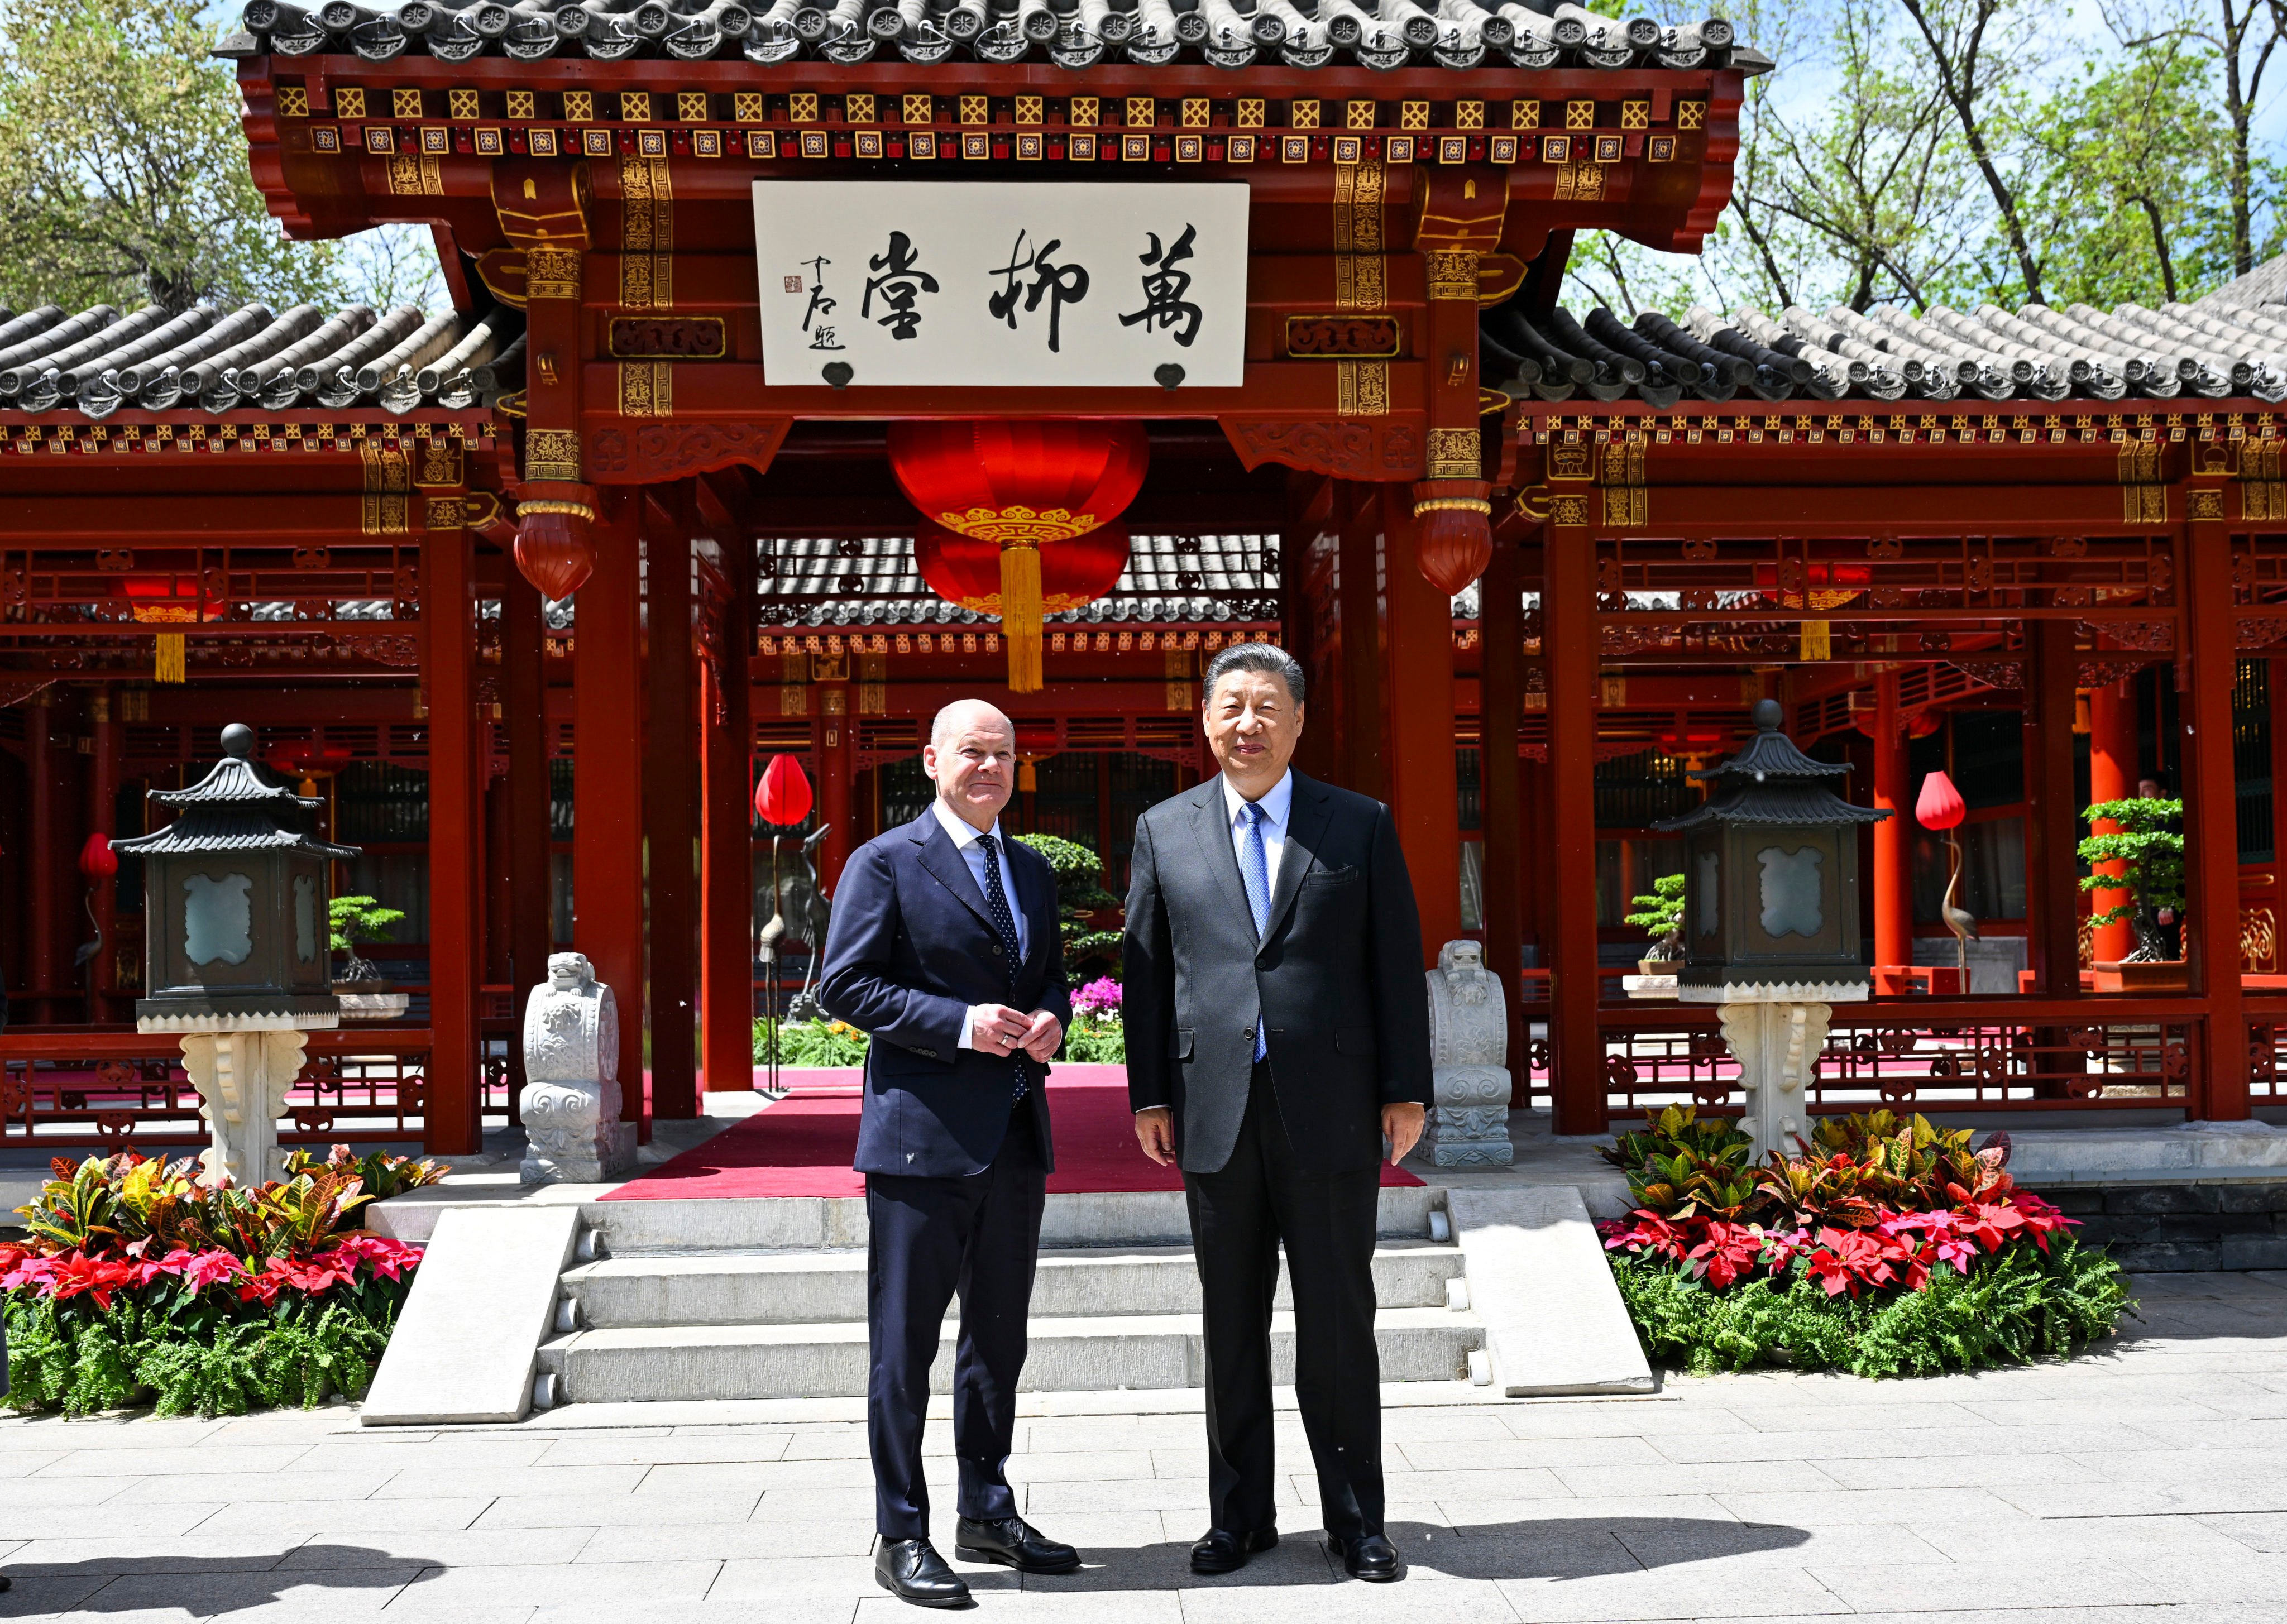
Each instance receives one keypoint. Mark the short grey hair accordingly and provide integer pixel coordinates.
(1267, 658)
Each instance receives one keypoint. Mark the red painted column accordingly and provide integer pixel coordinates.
(1358, 512)
(2055, 821)
(2212, 821)
(500, 895)
(1569, 640)
(103, 819)
(1894, 894)
(41, 768)
(1501, 637)
(607, 860)
(523, 716)
(452, 1114)
(2112, 777)
(669, 823)
(1418, 664)
(837, 757)
(726, 937)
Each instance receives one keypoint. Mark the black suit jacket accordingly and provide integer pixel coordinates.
(910, 947)
(1336, 979)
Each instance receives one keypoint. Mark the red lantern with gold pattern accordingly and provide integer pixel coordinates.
(553, 548)
(1028, 490)
(963, 570)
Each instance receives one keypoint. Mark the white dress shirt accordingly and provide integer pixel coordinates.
(1276, 803)
(965, 841)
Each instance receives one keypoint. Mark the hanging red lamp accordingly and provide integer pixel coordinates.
(184, 598)
(553, 548)
(96, 859)
(782, 796)
(964, 570)
(1822, 583)
(1940, 805)
(1028, 490)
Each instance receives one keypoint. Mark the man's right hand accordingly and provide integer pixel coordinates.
(1155, 1131)
(996, 1029)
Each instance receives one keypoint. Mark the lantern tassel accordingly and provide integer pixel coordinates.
(1020, 617)
(169, 664)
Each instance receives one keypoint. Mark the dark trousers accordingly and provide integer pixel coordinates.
(931, 1237)
(1240, 1216)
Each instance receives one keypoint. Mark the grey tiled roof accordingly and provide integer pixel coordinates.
(871, 581)
(2174, 352)
(101, 360)
(1074, 34)
(2265, 284)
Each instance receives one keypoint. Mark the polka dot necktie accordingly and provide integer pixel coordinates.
(1256, 872)
(996, 902)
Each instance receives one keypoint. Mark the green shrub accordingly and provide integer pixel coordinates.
(813, 1043)
(1080, 892)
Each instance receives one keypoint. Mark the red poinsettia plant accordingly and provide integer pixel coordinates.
(1871, 1203)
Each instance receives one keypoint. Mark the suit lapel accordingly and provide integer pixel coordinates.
(942, 860)
(1211, 824)
(1307, 815)
(1038, 910)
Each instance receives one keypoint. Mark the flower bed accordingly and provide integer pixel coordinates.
(1886, 1247)
(1096, 1036)
(141, 1286)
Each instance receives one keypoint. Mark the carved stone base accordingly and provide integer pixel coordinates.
(574, 1133)
(1777, 1045)
(1468, 1126)
(242, 1078)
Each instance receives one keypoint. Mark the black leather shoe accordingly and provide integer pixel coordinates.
(1012, 1542)
(1369, 1556)
(1225, 1552)
(912, 1571)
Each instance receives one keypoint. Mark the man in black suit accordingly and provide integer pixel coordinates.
(1277, 1031)
(944, 946)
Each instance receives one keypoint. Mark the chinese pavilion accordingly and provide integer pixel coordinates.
(527, 590)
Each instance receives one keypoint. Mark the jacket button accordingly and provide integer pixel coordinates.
(994, 950)
(1263, 963)
(1247, 1031)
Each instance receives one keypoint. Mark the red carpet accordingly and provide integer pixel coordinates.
(803, 1145)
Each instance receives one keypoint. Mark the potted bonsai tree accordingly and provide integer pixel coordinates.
(1660, 915)
(363, 990)
(2147, 840)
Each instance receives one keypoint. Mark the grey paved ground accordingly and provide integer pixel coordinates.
(2141, 1484)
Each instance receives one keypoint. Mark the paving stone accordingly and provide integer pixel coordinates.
(1907, 1586)
(444, 1547)
(585, 1583)
(35, 1597)
(722, 1541)
(1973, 1473)
(1839, 1506)
(1070, 1468)
(649, 1449)
(1633, 1418)
(603, 1482)
(341, 1520)
(1719, 1478)
(364, 1450)
(1045, 1500)
(2132, 1541)
(1780, 1593)
(621, 1510)
(70, 1522)
(1478, 1455)
(201, 1595)
(706, 1479)
(110, 1552)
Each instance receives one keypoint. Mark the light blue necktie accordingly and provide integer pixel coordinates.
(1256, 871)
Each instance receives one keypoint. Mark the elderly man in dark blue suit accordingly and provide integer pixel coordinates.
(944, 946)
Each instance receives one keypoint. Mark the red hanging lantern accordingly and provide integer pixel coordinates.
(1455, 540)
(1940, 805)
(96, 859)
(963, 570)
(553, 548)
(1028, 489)
(181, 599)
(783, 799)
(1826, 585)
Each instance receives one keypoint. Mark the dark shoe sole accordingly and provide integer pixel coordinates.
(963, 1600)
(978, 1553)
(1252, 1545)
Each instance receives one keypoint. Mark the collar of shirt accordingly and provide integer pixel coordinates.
(963, 832)
(1275, 802)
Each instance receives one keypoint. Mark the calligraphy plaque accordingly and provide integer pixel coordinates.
(1002, 285)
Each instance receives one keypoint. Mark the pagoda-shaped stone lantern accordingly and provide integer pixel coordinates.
(1770, 917)
(236, 937)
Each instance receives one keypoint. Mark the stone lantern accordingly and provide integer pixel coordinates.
(235, 940)
(1770, 917)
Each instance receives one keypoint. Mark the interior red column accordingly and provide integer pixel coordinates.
(2111, 777)
(1424, 789)
(668, 813)
(2211, 822)
(1569, 639)
(1500, 618)
(837, 756)
(40, 863)
(454, 1105)
(524, 715)
(2054, 820)
(1358, 512)
(1893, 896)
(607, 786)
(726, 837)
(103, 819)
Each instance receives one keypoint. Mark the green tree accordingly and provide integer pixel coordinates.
(123, 174)
(1080, 892)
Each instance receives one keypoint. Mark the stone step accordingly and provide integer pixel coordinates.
(1066, 1355)
(733, 1288)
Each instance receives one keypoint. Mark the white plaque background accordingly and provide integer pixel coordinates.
(962, 233)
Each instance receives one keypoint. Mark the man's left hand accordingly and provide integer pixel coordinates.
(1401, 1125)
(1042, 1040)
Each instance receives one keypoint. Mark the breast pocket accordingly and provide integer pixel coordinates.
(1328, 879)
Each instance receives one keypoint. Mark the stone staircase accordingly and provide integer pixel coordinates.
(767, 1300)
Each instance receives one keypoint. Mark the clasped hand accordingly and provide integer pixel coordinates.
(996, 1029)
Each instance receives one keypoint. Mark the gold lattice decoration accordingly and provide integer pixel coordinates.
(1414, 116)
(748, 107)
(1032, 109)
(1195, 112)
(1143, 112)
(349, 100)
(405, 103)
(461, 104)
(691, 105)
(920, 109)
(1250, 112)
(1302, 115)
(1636, 116)
(1524, 114)
(1468, 115)
(1691, 115)
(523, 104)
(293, 101)
(858, 108)
(974, 109)
(580, 106)
(1581, 114)
(1360, 115)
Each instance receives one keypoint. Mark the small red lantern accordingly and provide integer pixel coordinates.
(96, 859)
(1455, 541)
(1940, 805)
(553, 548)
(1829, 585)
(1028, 490)
(182, 599)
(783, 799)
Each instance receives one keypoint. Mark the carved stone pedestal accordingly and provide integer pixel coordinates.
(571, 1098)
(1469, 1037)
(1776, 1034)
(242, 1073)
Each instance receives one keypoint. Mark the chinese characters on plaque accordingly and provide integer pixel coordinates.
(995, 285)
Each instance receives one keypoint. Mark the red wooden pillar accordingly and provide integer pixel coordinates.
(523, 716)
(1424, 786)
(500, 894)
(726, 833)
(453, 1112)
(669, 823)
(1894, 891)
(607, 860)
(42, 767)
(1358, 512)
(2212, 821)
(837, 759)
(1501, 637)
(1569, 640)
(103, 819)
(2112, 777)
(2053, 862)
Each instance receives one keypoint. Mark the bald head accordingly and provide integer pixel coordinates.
(971, 758)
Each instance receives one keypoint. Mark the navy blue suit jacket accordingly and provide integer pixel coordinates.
(910, 947)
